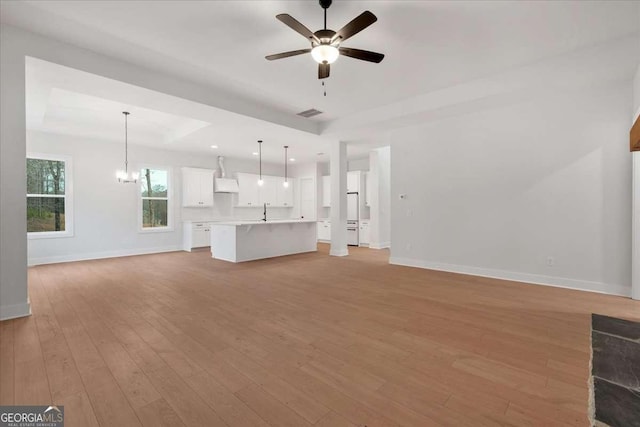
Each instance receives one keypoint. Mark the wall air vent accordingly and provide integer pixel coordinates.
(309, 113)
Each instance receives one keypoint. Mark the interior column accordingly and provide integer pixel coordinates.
(635, 233)
(338, 216)
(14, 301)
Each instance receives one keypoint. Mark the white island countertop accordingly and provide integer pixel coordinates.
(247, 240)
(261, 222)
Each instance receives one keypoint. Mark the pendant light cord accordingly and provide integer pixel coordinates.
(260, 151)
(126, 144)
(285, 162)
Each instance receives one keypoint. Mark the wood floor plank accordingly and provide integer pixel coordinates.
(107, 399)
(232, 410)
(158, 414)
(269, 408)
(7, 363)
(304, 405)
(63, 375)
(334, 420)
(182, 339)
(78, 411)
(31, 385)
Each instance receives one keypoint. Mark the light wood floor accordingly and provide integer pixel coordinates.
(181, 339)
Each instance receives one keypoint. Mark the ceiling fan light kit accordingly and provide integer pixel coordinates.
(325, 44)
(325, 54)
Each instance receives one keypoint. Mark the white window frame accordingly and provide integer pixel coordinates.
(68, 197)
(169, 227)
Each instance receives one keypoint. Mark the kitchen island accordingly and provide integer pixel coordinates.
(238, 241)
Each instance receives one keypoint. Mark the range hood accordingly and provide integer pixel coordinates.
(224, 184)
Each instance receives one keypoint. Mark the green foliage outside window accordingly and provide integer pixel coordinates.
(45, 195)
(154, 190)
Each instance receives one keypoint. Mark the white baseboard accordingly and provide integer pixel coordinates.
(101, 255)
(14, 311)
(537, 279)
(380, 245)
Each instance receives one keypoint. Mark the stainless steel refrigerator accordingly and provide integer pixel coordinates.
(353, 204)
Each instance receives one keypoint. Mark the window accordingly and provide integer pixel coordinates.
(49, 206)
(155, 195)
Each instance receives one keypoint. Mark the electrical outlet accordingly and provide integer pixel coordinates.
(550, 261)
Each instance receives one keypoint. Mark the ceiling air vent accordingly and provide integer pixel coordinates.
(309, 113)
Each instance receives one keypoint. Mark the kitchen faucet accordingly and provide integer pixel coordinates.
(265, 213)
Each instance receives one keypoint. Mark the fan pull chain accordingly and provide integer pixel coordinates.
(324, 88)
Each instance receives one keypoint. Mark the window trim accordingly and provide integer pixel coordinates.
(169, 227)
(68, 197)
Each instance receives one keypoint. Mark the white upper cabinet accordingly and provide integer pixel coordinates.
(353, 182)
(272, 192)
(367, 188)
(326, 191)
(269, 190)
(197, 187)
(284, 195)
(248, 190)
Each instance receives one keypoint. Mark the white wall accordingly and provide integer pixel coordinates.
(358, 164)
(499, 191)
(106, 212)
(636, 93)
(380, 210)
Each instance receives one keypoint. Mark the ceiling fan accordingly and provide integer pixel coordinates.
(325, 44)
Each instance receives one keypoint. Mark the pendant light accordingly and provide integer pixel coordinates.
(260, 181)
(285, 183)
(123, 175)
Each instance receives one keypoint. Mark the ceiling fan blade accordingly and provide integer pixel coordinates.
(364, 55)
(287, 54)
(296, 26)
(323, 71)
(358, 24)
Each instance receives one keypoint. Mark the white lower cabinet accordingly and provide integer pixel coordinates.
(364, 233)
(196, 235)
(324, 230)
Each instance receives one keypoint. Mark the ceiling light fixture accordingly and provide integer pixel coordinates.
(292, 159)
(285, 183)
(260, 181)
(214, 146)
(325, 53)
(255, 153)
(326, 45)
(123, 175)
